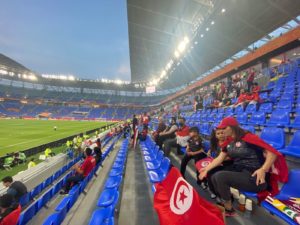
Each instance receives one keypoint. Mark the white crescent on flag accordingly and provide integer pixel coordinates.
(182, 197)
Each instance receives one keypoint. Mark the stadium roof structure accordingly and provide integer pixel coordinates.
(6, 62)
(214, 30)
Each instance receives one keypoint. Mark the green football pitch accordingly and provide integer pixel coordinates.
(18, 134)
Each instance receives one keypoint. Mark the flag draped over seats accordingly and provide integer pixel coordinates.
(177, 203)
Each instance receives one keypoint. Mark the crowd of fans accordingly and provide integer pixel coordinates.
(237, 158)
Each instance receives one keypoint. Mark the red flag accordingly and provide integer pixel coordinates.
(177, 203)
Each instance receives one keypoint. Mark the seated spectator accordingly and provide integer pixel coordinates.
(31, 163)
(226, 101)
(80, 171)
(160, 128)
(98, 143)
(217, 141)
(198, 103)
(255, 88)
(168, 133)
(98, 154)
(255, 165)
(49, 153)
(194, 151)
(9, 210)
(15, 188)
(180, 139)
(241, 99)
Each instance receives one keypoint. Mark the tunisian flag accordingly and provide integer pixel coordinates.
(177, 203)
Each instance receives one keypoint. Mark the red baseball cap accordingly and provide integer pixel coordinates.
(228, 121)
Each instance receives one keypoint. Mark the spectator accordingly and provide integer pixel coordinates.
(15, 188)
(145, 119)
(217, 141)
(98, 155)
(168, 133)
(135, 122)
(9, 210)
(241, 99)
(98, 143)
(31, 163)
(80, 171)
(198, 103)
(255, 88)
(49, 153)
(194, 151)
(250, 79)
(252, 163)
(180, 139)
(160, 128)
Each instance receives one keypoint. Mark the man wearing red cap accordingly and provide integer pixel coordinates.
(256, 165)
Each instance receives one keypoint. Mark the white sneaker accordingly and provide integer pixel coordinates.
(212, 196)
(204, 186)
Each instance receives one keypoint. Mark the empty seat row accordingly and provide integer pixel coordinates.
(109, 197)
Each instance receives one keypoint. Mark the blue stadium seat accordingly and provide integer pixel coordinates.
(160, 174)
(107, 197)
(242, 117)
(99, 216)
(249, 128)
(35, 191)
(293, 149)
(266, 107)
(274, 136)
(251, 108)
(28, 214)
(54, 219)
(65, 203)
(290, 189)
(258, 118)
(296, 123)
(113, 182)
(44, 199)
(25, 199)
(239, 109)
(285, 105)
(116, 172)
(279, 118)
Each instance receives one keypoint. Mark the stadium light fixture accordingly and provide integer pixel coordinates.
(212, 22)
(163, 73)
(202, 35)
(207, 29)
(223, 10)
(177, 54)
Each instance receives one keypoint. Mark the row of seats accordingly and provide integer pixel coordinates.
(157, 164)
(109, 197)
(67, 202)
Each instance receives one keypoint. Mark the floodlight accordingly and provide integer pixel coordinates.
(177, 54)
(223, 10)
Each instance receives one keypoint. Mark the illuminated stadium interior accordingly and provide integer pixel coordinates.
(227, 71)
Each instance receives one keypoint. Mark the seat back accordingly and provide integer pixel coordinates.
(296, 139)
(274, 136)
(165, 165)
(292, 187)
(28, 214)
(266, 107)
(24, 200)
(99, 216)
